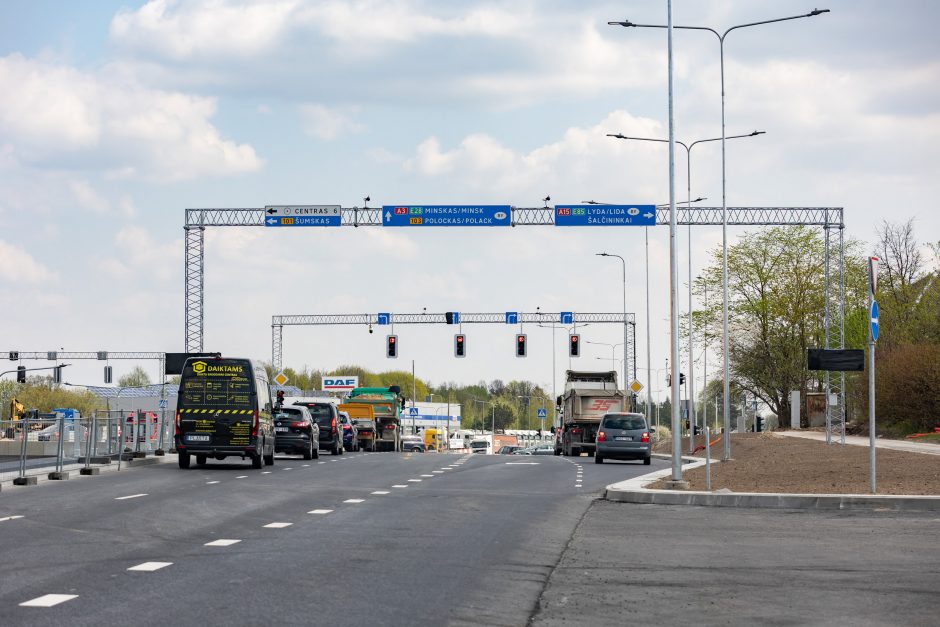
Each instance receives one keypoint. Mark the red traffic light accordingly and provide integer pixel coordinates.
(521, 345)
(460, 345)
(574, 345)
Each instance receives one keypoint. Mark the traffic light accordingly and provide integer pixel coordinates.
(279, 402)
(574, 345)
(391, 346)
(21, 374)
(107, 374)
(520, 344)
(681, 379)
(668, 379)
(57, 374)
(460, 345)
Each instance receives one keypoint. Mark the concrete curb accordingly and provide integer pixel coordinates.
(635, 491)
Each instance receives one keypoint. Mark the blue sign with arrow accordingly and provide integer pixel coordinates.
(512, 317)
(384, 318)
(567, 317)
(303, 215)
(446, 215)
(874, 321)
(605, 215)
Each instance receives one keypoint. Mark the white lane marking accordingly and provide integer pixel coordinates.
(306, 465)
(212, 482)
(321, 462)
(398, 485)
(427, 476)
(320, 511)
(149, 567)
(438, 472)
(242, 477)
(6, 518)
(381, 492)
(414, 481)
(354, 501)
(123, 498)
(222, 542)
(277, 525)
(48, 600)
(523, 463)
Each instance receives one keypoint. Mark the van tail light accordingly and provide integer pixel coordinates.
(601, 436)
(255, 423)
(645, 437)
(178, 432)
(333, 425)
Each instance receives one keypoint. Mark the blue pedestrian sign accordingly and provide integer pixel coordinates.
(542, 413)
(512, 317)
(567, 317)
(874, 321)
(303, 215)
(384, 318)
(413, 411)
(446, 215)
(605, 215)
(162, 403)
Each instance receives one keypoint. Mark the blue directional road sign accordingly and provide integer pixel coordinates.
(567, 317)
(542, 413)
(303, 215)
(446, 215)
(605, 215)
(512, 317)
(384, 318)
(874, 321)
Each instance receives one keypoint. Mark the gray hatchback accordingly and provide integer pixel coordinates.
(623, 436)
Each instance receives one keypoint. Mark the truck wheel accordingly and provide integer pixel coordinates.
(257, 460)
(184, 460)
(575, 451)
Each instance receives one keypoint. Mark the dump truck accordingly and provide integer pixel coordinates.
(363, 416)
(387, 404)
(588, 396)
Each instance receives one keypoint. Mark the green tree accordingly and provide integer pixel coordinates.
(137, 377)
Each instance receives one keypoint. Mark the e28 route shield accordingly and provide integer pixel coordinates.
(446, 215)
(605, 215)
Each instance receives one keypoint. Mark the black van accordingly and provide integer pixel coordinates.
(224, 410)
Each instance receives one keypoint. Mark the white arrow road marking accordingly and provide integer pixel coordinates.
(149, 567)
(222, 542)
(48, 600)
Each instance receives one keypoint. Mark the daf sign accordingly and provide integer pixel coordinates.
(339, 383)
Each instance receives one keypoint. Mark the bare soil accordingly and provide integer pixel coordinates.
(764, 462)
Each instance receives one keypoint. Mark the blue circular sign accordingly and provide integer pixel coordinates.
(874, 320)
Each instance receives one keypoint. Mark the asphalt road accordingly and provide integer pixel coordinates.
(382, 539)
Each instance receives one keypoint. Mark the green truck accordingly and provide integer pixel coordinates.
(387, 404)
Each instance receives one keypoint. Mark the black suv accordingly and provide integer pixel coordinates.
(296, 432)
(326, 416)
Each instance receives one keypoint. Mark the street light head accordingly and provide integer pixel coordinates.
(625, 23)
(816, 12)
(601, 255)
(616, 135)
(758, 133)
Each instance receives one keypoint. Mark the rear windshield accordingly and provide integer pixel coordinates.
(287, 411)
(216, 383)
(630, 423)
(321, 413)
(479, 444)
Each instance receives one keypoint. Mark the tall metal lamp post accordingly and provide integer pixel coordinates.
(623, 383)
(724, 205)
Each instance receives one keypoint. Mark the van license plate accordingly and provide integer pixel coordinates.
(197, 438)
(624, 438)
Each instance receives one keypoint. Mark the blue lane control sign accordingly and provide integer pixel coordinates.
(446, 215)
(303, 215)
(566, 317)
(512, 317)
(605, 215)
(874, 321)
(384, 318)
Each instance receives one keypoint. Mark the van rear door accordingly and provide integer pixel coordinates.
(217, 404)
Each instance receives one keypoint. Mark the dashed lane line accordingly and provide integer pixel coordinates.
(6, 518)
(381, 492)
(399, 485)
(414, 481)
(149, 567)
(212, 482)
(222, 542)
(242, 477)
(354, 501)
(48, 600)
(277, 525)
(124, 498)
(320, 511)
(432, 476)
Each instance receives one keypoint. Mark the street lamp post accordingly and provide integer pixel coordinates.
(623, 383)
(724, 205)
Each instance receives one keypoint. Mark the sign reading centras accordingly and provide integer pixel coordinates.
(338, 382)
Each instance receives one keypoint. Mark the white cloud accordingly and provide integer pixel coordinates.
(140, 253)
(88, 197)
(62, 117)
(325, 123)
(18, 266)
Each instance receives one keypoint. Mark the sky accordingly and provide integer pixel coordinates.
(117, 116)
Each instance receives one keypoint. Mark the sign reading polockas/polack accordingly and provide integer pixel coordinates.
(303, 215)
(605, 215)
(339, 383)
(446, 215)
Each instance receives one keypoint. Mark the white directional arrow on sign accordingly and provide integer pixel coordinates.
(388, 216)
(648, 215)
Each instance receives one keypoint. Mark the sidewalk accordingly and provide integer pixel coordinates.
(898, 445)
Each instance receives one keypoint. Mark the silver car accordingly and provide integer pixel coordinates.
(623, 436)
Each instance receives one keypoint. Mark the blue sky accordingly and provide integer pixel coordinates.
(116, 116)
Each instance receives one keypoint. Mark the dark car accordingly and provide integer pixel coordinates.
(326, 416)
(295, 431)
(350, 433)
(623, 436)
(508, 449)
(366, 433)
(412, 444)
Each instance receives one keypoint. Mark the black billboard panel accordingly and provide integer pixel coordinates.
(836, 360)
(175, 361)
